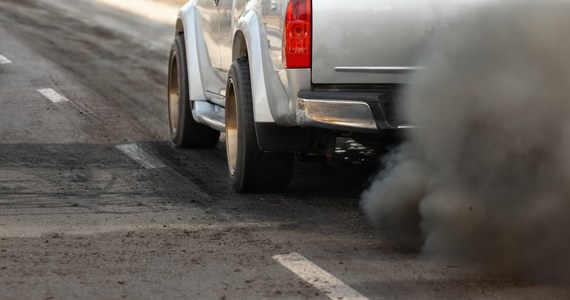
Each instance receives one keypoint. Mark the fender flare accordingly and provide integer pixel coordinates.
(187, 16)
(268, 93)
(263, 76)
(196, 58)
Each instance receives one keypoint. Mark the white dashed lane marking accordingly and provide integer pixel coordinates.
(135, 152)
(4, 60)
(319, 278)
(52, 95)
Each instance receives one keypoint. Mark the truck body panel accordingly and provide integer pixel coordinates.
(377, 41)
(361, 51)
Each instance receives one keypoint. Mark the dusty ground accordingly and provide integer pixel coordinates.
(80, 219)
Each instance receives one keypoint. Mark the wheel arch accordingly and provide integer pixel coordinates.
(239, 48)
(179, 29)
(270, 99)
(248, 43)
(187, 25)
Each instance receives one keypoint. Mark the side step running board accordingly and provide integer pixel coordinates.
(215, 120)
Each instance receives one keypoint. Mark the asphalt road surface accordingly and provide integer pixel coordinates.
(95, 202)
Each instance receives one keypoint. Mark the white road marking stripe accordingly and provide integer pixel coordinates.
(52, 95)
(319, 278)
(135, 152)
(4, 60)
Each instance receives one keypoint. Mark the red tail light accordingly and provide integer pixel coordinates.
(297, 35)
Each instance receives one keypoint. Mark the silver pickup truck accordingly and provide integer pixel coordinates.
(286, 77)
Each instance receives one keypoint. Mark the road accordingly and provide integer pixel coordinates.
(95, 202)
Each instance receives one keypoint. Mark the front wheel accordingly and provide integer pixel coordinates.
(251, 169)
(185, 132)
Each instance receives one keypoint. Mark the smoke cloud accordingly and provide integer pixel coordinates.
(486, 176)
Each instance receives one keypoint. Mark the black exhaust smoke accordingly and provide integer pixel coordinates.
(486, 175)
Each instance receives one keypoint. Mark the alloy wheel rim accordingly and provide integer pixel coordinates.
(231, 128)
(173, 95)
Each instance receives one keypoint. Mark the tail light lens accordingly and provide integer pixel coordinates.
(297, 35)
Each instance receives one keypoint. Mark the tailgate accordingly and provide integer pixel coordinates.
(376, 41)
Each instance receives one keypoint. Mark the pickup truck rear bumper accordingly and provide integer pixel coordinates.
(366, 112)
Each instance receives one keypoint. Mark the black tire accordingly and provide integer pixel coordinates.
(185, 131)
(251, 169)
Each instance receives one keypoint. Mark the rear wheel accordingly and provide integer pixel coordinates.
(251, 169)
(185, 132)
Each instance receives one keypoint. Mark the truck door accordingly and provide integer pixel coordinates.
(210, 25)
(227, 11)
